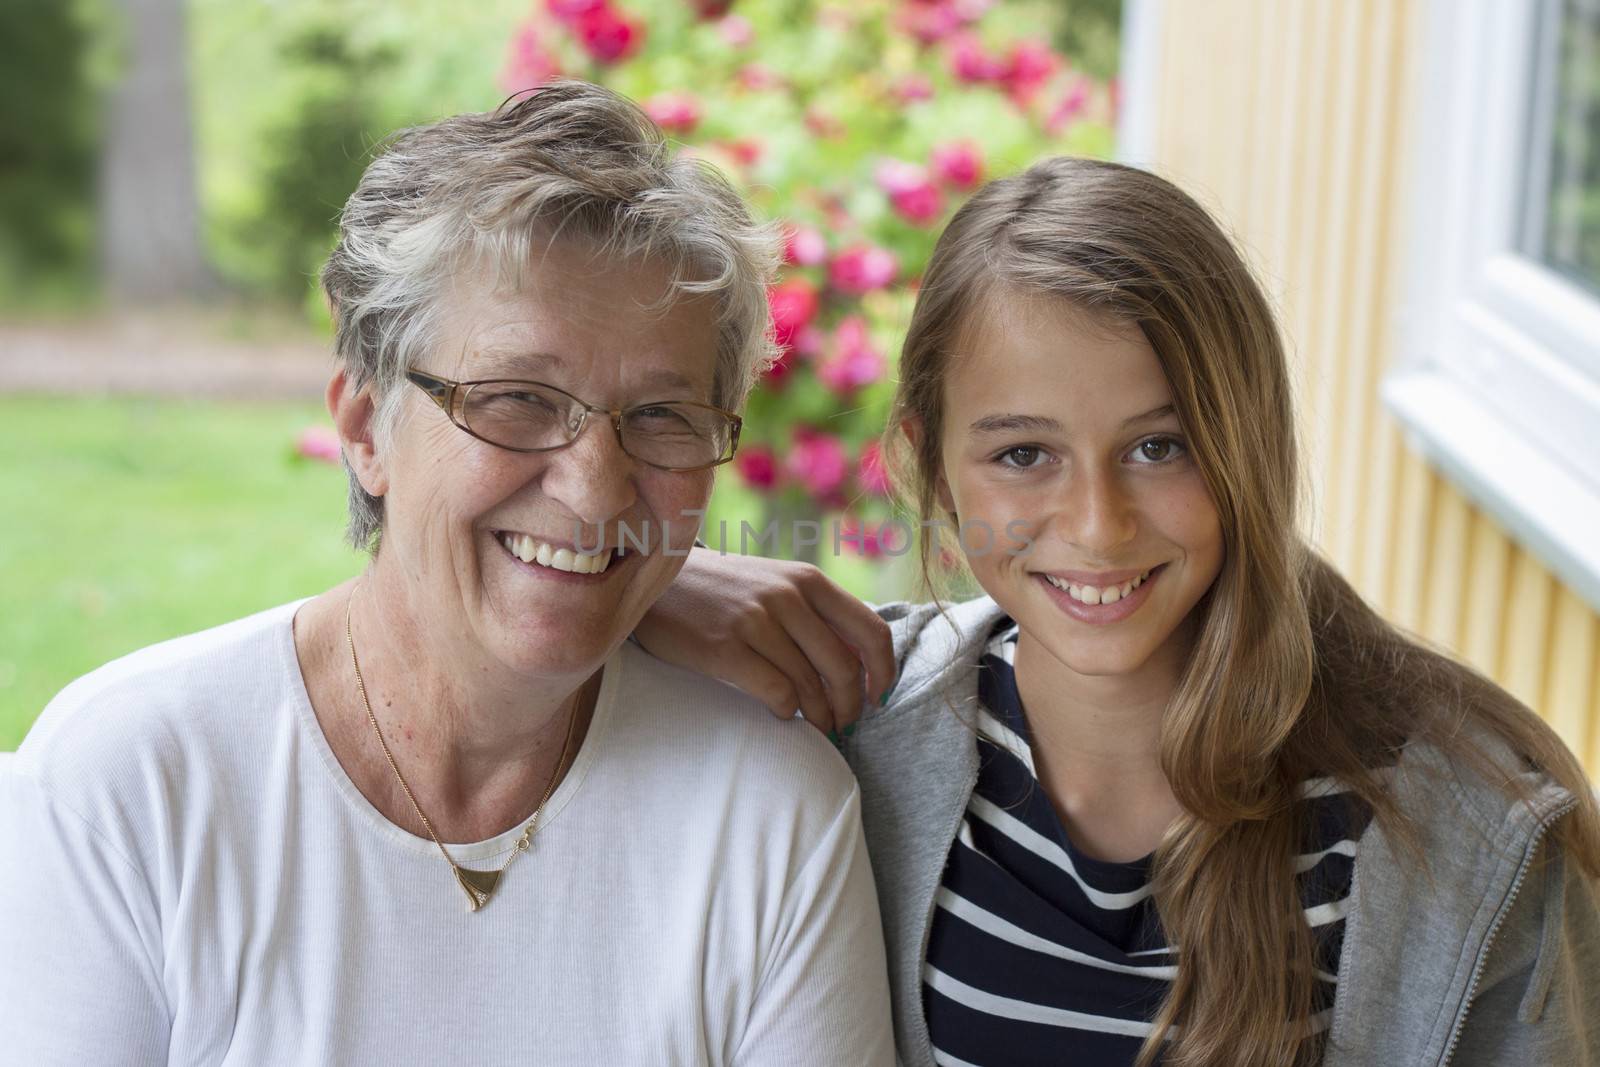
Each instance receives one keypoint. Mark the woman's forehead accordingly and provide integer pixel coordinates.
(532, 364)
(580, 324)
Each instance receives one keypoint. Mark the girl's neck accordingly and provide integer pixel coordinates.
(1097, 747)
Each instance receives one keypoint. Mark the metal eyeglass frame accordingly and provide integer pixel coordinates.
(451, 396)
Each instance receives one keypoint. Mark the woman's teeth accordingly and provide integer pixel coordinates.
(528, 550)
(1090, 594)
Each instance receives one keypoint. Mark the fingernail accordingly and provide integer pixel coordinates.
(833, 735)
(850, 730)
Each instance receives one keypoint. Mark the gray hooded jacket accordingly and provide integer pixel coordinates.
(1491, 956)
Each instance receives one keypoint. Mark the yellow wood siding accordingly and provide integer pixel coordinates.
(1287, 118)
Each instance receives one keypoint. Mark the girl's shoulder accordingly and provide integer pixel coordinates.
(1479, 890)
(936, 645)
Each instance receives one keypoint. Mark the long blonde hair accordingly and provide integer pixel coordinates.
(1292, 675)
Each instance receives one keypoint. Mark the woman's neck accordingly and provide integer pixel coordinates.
(1097, 749)
(477, 746)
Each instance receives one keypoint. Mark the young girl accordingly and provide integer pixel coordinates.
(1171, 791)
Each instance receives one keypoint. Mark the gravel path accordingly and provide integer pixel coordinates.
(178, 352)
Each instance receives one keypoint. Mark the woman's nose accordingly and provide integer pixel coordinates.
(592, 476)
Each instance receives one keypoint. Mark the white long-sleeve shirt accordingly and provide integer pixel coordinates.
(187, 876)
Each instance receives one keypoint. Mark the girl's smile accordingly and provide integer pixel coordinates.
(1103, 600)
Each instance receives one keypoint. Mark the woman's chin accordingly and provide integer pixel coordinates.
(550, 643)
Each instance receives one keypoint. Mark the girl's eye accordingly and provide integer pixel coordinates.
(1158, 450)
(1021, 457)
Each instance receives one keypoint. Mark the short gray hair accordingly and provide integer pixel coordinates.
(570, 159)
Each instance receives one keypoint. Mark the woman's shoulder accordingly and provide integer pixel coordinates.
(142, 711)
(672, 723)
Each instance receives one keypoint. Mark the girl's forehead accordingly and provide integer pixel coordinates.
(1038, 345)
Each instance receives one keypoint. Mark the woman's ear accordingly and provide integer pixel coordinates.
(353, 412)
(911, 426)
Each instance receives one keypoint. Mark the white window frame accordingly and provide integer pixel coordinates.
(1498, 377)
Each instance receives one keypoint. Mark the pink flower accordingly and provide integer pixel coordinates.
(971, 64)
(817, 461)
(920, 205)
(958, 164)
(809, 341)
(570, 11)
(871, 473)
(804, 246)
(854, 362)
(757, 77)
(530, 63)
(746, 151)
(870, 540)
(912, 193)
(674, 112)
(609, 35)
(862, 268)
(1029, 66)
(794, 304)
(736, 31)
(896, 175)
(929, 22)
(1074, 104)
(971, 11)
(757, 466)
(319, 443)
(913, 87)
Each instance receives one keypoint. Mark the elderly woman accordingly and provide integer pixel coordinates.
(445, 812)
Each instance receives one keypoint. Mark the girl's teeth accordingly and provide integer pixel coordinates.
(1089, 594)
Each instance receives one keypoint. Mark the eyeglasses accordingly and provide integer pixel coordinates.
(676, 435)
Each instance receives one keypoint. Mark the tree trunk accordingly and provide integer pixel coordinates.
(149, 201)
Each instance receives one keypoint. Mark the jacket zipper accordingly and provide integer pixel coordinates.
(1494, 927)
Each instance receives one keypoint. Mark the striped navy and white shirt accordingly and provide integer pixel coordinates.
(1040, 954)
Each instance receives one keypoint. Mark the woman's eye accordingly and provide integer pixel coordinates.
(1158, 450)
(1021, 457)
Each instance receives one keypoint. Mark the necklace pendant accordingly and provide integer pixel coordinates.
(478, 885)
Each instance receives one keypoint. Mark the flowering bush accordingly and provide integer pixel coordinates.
(862, 128)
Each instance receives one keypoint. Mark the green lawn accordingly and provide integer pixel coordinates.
(129, 521)
(126, 522)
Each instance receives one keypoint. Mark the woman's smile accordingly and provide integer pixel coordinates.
(557, 559)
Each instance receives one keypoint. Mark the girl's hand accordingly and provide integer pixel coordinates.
(783, 632)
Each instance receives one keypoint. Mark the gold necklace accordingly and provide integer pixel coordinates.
(478, 885)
